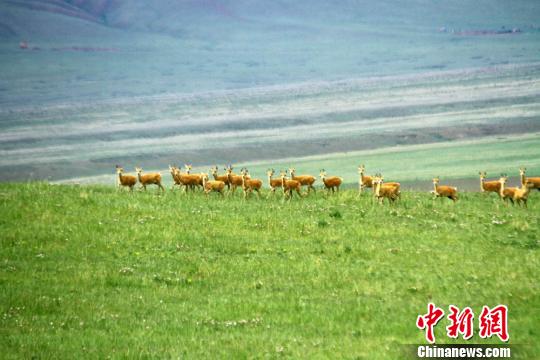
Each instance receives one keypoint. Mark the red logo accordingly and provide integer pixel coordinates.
(491, 322)
(429, 320)
(494, 322)
(461, 323)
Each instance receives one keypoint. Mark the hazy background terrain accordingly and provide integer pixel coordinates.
(156, 82)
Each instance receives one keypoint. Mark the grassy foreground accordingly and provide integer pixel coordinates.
(89, 272)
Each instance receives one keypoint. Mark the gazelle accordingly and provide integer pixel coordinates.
(515, 194)
(330, 183)
(212, 185)
(218, 177)
(304, 180)
(273, 183)
(149, 179)
(535, 181)
(289, 185)
(248, 185)
(489, 186)
(234, 180)
(175, 173)
(189, 181)
(522, 194)
(444, 190)
(364, 181)
(504, 192)
(382, 191)
(125, 180)
(188, 171)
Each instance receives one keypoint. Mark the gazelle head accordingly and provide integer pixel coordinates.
(503, 179)
(188, 167)
(119, 169)
(214, 170)
(377, 179)
(322, 174)
(282, 174)
(482, 174)
(270, 172)
(138, 170)
(436, 180)
(522, 171)
(292, 171)
(244, 172)
(361, 169)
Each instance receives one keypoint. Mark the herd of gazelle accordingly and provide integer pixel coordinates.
(290, 183)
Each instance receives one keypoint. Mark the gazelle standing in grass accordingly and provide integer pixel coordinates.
(177, 180)
(248, 185)
(382, 191)
(273, 183)
(443, 191)
(506, 193)
(199, 176)
(234, 180)
(304, 180)
(535, 181)
(489, 186)
(516, 195)
(125, 180)
(212, 185)
(289, 185)
(521, 195)
(363, 180)
(330, 183)
(189, 181)
(217, 177)
(149, 179)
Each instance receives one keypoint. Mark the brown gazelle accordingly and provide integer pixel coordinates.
(175, 173)
(521, 195)
(125, 180)
(489, 186)
(382, 191)
(443, 191)
(189, 181)
(273, 183)
(387, 184)
(535, 181)
(149, 179)
(290, 185)
(217, 177)
(330, 183)
(364, 181)
(234, 180)
(212, 185)
(506, 193)
(248, 184)
(304, 180)
(199, 176)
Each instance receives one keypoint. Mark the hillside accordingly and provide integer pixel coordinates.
(153, 83)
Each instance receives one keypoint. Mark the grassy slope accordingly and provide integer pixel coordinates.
(89, 272)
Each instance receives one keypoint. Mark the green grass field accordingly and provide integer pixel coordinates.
(89, 272)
